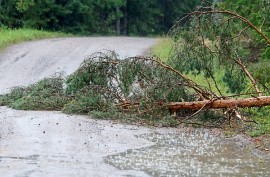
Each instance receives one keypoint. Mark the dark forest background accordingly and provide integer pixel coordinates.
(106, 17)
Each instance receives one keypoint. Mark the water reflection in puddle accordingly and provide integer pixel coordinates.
(190, 154)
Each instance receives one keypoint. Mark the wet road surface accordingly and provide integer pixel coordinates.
(46, 144)
(52, 144)
(42, 144)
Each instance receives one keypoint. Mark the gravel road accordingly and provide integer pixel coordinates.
(27, 63)
(52, 144)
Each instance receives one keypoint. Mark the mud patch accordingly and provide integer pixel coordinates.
(196, 153)
(20, 57)
(30, 157)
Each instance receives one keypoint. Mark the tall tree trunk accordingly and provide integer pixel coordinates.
(218, 104)
(125, 20)
(118, 27)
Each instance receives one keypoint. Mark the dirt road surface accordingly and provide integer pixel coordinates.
(27, 63)
(53, 144)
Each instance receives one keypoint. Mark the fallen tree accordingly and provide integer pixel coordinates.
(219, 104)
(145, 84)
(216, 49)
(216, 44)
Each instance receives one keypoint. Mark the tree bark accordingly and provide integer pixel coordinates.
(118, 23)
(125, 19)
(218, 104)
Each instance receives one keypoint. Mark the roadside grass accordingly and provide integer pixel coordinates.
(262, 118)
(163, 49)
(13, 36)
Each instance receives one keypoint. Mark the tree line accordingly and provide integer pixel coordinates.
(111, 17)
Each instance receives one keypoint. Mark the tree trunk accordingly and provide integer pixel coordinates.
(125, 20)
(218, 104)
(118, 30)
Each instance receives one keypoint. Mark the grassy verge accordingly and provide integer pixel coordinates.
(13, 36)
(163, 48)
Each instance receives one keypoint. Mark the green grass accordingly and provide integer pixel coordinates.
(262, 117)
(13, 36)
(163, 49)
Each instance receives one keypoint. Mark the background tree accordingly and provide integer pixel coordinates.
(120, 17)
(258, 13)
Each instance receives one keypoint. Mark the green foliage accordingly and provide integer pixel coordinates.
(234, 84)
(258, 51)
(208, 43)
(261, 72)
(16, 94)
(127, 17)
(215, 47)
(86, 101)
(47, 94)
(91, 72)
(164, 50)
(24, 5)
(105, 83)
(257, 12)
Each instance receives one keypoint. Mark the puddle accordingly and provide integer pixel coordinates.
(190, 154)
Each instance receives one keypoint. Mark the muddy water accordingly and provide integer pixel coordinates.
(197, 153)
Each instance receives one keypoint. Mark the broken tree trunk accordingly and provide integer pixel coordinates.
(218, 104)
